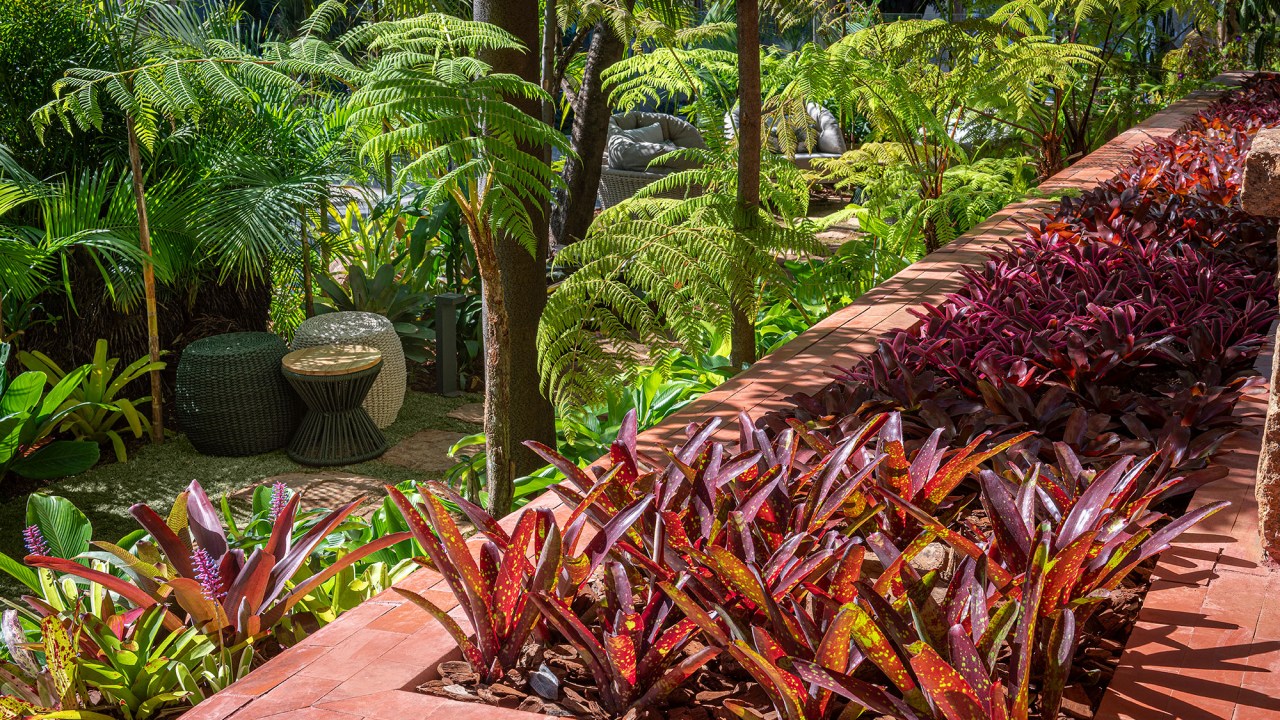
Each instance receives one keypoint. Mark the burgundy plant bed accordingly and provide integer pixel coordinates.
(961, 525)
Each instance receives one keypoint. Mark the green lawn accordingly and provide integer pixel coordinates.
(155, 475)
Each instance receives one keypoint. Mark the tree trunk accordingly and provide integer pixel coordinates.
(515, 410)
(550, 28)
(743, 338)
(575, 209)
(1229, 23)
(148, 284)
(308, 295)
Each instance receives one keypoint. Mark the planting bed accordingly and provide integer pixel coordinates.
(952, 528)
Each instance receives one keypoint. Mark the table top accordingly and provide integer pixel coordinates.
(330, 360)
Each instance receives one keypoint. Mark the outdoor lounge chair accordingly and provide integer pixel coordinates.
(635, 140)
(828, 141)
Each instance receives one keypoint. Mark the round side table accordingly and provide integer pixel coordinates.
(371, 330)
(333, 382)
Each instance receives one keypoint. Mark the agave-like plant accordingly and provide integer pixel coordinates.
(494, 592)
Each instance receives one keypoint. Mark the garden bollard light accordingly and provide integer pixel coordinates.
(447, 305)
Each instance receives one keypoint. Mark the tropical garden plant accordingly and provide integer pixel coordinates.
(762, 544)
(785, 560)
(156, 62)
(99, 401)
(29, 418)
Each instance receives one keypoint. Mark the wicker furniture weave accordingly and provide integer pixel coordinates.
(232, 399)
(333, 381)
(618, 185)
(363, 328)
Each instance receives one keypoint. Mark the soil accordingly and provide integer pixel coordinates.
(701, 698)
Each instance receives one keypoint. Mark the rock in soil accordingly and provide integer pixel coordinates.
(545, 682)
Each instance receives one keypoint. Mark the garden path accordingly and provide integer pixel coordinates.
(425, 451)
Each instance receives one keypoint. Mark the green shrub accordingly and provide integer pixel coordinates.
(98, 405)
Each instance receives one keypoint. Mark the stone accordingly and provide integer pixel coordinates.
(933, 557)
(545, 682)
(425, 451)
(321, 489)
(470, 413)
(1260, 194)
(1267, 489)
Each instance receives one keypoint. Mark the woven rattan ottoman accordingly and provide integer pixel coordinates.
(364, 328)
(231, 397)
(333, 381)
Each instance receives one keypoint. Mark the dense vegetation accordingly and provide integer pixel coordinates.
(789, 555)
(173, 170)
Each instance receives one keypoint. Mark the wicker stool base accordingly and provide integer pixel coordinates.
(336, 429)
(230, 397)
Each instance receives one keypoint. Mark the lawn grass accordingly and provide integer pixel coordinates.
(156, 474)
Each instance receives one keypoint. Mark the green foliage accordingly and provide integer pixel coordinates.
(140, 674)
(385, 295)
(445, 105)
(893, 214)
(28, 416)
(99, 401)
(65, 532)
(38, 42)
(652, 270)
(653, 393)
(157, 61)
(44, 222)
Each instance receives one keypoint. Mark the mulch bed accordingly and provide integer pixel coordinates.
(568, 690)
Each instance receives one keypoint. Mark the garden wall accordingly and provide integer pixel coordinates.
(368, 662)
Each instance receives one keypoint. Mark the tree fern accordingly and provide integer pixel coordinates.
(654, 273)
(161, 61)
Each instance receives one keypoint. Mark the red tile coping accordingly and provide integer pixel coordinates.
(1206, 616)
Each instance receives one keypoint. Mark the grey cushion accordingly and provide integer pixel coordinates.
(804, 161)
(830, 139)
(826, 131)
(645, 134)
(624, 151)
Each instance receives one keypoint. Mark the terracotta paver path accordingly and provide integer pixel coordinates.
(1207, 641)
(1207, 644)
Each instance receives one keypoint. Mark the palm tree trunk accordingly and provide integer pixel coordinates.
(148, 284)
(743, 337)
(500, 439)
(308, 295)
(514, 294)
